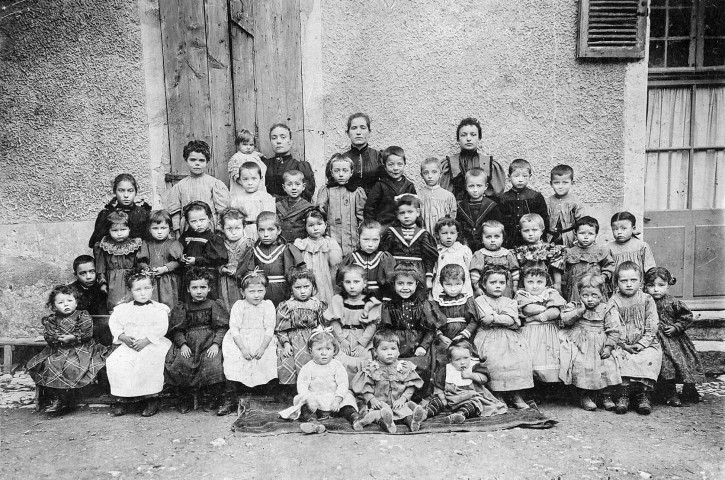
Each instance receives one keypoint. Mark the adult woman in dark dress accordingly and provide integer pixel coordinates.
(367, 161)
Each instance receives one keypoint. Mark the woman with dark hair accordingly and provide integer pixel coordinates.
(366, 160)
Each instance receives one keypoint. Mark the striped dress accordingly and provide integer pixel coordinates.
(295, 322)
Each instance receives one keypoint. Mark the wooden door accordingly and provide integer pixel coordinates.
(229, 65)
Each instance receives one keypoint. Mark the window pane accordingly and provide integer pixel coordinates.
(656, 54)
(714, 52)
(665, 185)
(709, 118)
(657, 20)
(680, 22)
(678, 53)
(668, 117)
(714, 17)
(708, 180)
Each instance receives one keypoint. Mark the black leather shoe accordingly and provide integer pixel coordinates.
(152, 408)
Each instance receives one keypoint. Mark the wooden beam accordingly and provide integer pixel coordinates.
(312, 86)
(242, 47)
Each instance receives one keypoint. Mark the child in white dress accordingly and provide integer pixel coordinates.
(451, 251)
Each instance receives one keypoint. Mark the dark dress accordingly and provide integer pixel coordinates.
(166, 253)
(209, 253)
(378, 266)
(276, 166)
(472, 219)
(455, 316)
(680, 361)
(455, 179)
(368, 169)
(292, 217)
(91, 299)
(198, 325)
(138, 214)
(275, 261)
(514, 205)
(72, 365)
(114, 260)
(420, 249)
(380, 204)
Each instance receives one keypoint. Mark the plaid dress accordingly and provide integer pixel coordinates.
(72, 365)
(295, 321)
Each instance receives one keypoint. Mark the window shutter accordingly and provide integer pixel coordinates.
(612, 28)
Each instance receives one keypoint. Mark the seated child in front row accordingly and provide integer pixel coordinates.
(535, 252)
(493, 254)
(320, 252)
(680, 361)
(520, 200)
(586, 347)
(451, 252)
(500, 341)
(475, 209)
(322, 387)
(460, 386)
(115, 258)
(89, 294)
(539, 309)
(249, 347)
(386, 385)
(161, 255)
(273, 255)
(377, 264)
(380, 204)
(197, 328)
(586, 257)
(297, 317)
(136, 368)
(72, 358)
(292, 208)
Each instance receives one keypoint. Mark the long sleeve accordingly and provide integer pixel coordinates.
(363, 385)
(98, 228)
(683, 316)
(116, 325)
(541, 208)
(157, 330)
(236, 316)
(177, 323)
(341, 380)
(360, 201)
(143, 255)
(323, 199)
(335, 255)
(283, 324)
(612, 326)
(495, 214)
(173, 206)
(245, 264)
(648, 260)
(304, 378)
(497, 180)
(508, 315)
(651, 322)
(50, 330)
(428, 325)
(100, 265)
(215, 253)
(371, 204)
(220, 197)
(269, 320)
(306, 170)
(83, 330)
(570, 314)
(430, 253)
(607, 264)
(219, 320)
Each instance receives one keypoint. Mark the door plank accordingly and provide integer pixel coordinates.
(668, 247)
(242, 47)
(709, 260)
(220, 86)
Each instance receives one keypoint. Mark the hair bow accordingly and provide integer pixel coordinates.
(254, 273)
(320, 330)
(412, 195)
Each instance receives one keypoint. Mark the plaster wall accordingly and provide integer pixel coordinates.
(72, 103)
(418, 68)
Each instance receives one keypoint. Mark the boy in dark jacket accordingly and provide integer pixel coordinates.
(475, 209)
(380, 205)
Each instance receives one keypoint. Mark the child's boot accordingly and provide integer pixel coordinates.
(455, 418)
(417, 417)
(152, 407)
(607, 401)
(671, 397)
(386, 420)
(623, 400)
(186, 400)
(518, 402)
(644, 406)
(361, 422)
(313, 426)
(56, 406)
(229, 405)
(690, 393)
(586, 401)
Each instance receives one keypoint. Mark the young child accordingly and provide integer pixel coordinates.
(386, 385)
(251, 199)
(115, 257)
(377, 264)
(680, 361)
(125, 189)
(535, 252)
(460, 386)
(136, 368)
(203, 247)
(586, 257)
(564, 207)
(343, 202)
(586, 345)
(273, 255)
(197, 187)
(72, 358)
(410, 316)
(407, 241)
(197, 329)
(320, 252)
(89, 295)
(520, 200)
(249, 347)
(493, 254)
(475, 209)
(280, 136)
(353, 316)
(236, 244)
(161, 255)
(639, 352)
(451, 252)
(296, 318)
(322, 387)
(626, 245)
(539, 309)
(245, 153)
(380, 204)
(435, 202)
(455, 167)
(293, 208)
(499, 340)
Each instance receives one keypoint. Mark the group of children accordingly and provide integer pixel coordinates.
(379, 306)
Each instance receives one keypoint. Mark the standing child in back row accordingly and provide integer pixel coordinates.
(564, 207)
(380, 204)
(520, 200)
(293, 208)
(475, 209)
(627, 247)
(245, 153)
(435, 202)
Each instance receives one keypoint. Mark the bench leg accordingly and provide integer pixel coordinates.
(7, 358)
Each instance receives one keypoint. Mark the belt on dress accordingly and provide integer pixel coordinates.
(275, 278)
(456, 320)
(410, 259)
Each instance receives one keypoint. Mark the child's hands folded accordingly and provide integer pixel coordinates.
(345, 347)
(185, 351)
(139, 345)
(669, 331)
(259, 353)
(212, 351)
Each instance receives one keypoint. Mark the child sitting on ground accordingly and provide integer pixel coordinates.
(251, 199)
(161, 255)
(475, 209)
(292, 208)
(435, 202)
(564, 207)
(197, 329)
(245, 153)
(72, 358)
(89, 294)
(380, 204)
(280, 136)
(460, 386)
(386, 385)
(520, 200)
(322, 387)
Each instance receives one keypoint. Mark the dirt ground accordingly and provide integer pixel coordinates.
(91, 444)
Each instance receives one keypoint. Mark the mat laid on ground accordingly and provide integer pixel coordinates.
(263, 419)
